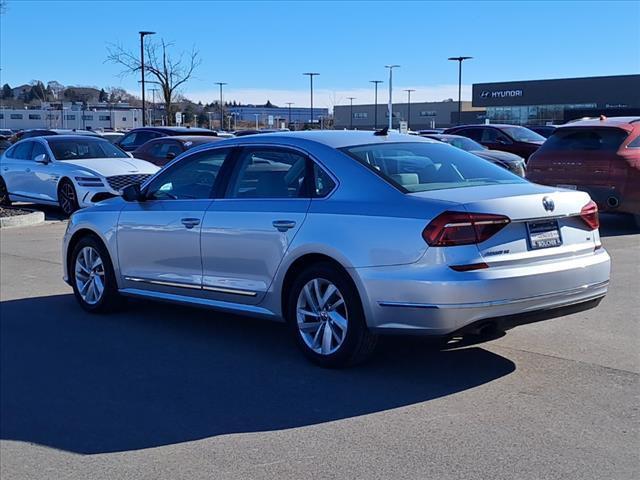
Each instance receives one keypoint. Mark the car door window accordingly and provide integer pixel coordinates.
(192, 178)
(473, 133)
(23, 151)
(489, 135)
(38, 149)
(270, 173)
(135, 139)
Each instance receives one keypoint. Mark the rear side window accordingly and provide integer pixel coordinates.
(635, 143)
(22, 151)
(135, 139)
(419, 167)
(585, 139)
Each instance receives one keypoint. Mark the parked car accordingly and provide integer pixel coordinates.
(345, 235)
(510, 161)
(4, 143)
(41, 132)
(113, 137)
(139, 136)
(5, 132)
(430, 131)
(161, 151)
(71, 171)
(508, 138)
(599, 156)
(544, 130)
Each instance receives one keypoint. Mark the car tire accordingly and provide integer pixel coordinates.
(67, 197)
(90, 263)
(330, 328)
(5, 201)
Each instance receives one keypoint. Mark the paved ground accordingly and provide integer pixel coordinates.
(168, 392)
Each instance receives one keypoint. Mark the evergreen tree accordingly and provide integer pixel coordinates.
(6, 91)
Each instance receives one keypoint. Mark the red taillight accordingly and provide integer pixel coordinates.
(461, 228)
(589, 215)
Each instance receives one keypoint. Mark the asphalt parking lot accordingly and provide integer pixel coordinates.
(170, 392)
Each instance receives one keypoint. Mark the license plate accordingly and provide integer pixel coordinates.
(544, 234)
(568, 187)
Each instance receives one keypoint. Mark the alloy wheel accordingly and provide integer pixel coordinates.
(322, 316)
(67, 198)
(89, 275)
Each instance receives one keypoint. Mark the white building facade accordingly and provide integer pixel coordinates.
(71, 117)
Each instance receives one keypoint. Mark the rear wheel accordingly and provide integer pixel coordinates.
(325, 315)
(4, 194)
(92, 276)
(67, 197)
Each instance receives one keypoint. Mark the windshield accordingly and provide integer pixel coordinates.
(522, 134)
(419, 167)
(463, 143)
(78, 149)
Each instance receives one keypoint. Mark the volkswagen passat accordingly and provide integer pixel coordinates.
(345, 236)
(71, 171)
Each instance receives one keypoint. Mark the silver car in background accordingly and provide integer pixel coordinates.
(345, 236)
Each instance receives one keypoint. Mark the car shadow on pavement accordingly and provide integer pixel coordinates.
(159, 374)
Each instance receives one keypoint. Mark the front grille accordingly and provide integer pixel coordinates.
(118, 182)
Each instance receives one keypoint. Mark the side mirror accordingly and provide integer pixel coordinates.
(132, 193)
(171, 155)
(43, 158)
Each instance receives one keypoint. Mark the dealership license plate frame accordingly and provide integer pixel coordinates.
(536, 231)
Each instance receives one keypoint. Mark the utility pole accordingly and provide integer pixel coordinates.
(351, 99)
(221, 106)
(375, 111)
(459, 60)
(142, 35)
(311, 75)
(289, 105)
(409, 90)
(390, 106)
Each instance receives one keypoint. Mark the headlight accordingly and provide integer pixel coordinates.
(89, 181)
(518, 168)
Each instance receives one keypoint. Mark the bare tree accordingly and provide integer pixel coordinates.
(170, 72)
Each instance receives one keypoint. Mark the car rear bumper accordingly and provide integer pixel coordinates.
(416, 303)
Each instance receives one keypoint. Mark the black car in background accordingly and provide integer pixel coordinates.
(544, 130)
(161, 151)
(139, 136)
(510, 161)
(45, 132)
(507, 138)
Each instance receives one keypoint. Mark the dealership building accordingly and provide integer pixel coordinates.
(540, 102)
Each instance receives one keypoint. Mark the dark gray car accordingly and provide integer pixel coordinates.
(510, 161)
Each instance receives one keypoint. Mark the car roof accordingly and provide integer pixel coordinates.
(626, 123)
(331, 138)
(175, 130)
(445, 136)
(70, 137)
(189, 138)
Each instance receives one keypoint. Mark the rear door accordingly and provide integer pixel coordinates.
(246, 234)
(17, 170)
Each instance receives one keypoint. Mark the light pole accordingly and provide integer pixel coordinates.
(257, 115)
(459, 60)
(153, 108)
(221, 106)
(142, 35)
(311, 75)
(351, 99)
(390, 106)
(375, 111)
(409, 90)
(289, 105)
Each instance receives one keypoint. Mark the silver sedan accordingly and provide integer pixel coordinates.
(345, 236)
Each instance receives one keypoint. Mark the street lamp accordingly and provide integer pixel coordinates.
(375, 112)
(153, 109)
(351, 99)
(459, 60)
(257, 115)
(409, 90)
(142, 35)
(221, 106)
(289, 105)
(390, 106)
(311, 75)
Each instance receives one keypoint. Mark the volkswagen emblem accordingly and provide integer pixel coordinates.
(548, 204)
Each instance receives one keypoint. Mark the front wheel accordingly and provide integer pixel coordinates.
(5, 201)
(92, 276)
(67, 197)
(325, 315)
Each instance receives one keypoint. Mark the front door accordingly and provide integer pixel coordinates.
(246, 234)
(159, 238)
(44, 180)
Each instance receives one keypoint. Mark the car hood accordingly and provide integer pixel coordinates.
(497, 155)
(114, 166)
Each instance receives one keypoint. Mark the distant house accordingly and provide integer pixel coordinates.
(21, 92)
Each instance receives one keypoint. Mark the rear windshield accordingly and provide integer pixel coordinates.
(77, 149)
(419, 167)
(585, 139)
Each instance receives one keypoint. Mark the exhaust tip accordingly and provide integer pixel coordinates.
(613, 202)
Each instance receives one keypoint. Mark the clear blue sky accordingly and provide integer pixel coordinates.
(261, 48)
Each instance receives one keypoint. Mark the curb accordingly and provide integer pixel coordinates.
(33, 218)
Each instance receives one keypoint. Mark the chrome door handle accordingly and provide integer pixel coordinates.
(283, 225)
(190, 222)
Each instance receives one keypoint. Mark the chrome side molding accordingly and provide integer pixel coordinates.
(231, 291)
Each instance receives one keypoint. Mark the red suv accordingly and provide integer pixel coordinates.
(600, 157)
(508, 138)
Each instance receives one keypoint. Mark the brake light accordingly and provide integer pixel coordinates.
(461, 228)
(589, 215)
